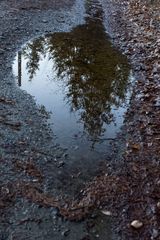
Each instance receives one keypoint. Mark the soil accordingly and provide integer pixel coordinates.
(29, 154)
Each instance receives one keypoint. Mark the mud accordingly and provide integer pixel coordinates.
(28, 148)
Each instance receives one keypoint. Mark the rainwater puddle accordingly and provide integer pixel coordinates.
(83, 81)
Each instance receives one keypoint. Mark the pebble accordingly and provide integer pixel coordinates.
(136, 224)
(157, 104)
(66, 232)
(107, 213)
(158, 205)
(44, 21)
(155, 233)
(60, 164)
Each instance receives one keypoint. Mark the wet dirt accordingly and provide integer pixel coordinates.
(28, 148)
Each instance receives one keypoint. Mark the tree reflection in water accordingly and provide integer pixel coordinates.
(94, 73)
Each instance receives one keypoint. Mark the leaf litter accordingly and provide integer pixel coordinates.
(132, 193)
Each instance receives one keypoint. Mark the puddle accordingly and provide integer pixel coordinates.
(83, 81)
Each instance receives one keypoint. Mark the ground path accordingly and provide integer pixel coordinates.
(25, 150)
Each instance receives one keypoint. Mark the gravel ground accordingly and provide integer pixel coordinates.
(28, 147)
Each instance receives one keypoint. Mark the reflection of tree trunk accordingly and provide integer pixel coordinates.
(19, 68)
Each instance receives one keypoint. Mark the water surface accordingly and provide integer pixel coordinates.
(83, 81)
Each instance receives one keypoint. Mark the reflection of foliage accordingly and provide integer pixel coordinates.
(93, 71)
(32, 52)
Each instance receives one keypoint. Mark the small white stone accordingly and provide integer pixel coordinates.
(107, 213)
(158, 205)
(136, 224)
